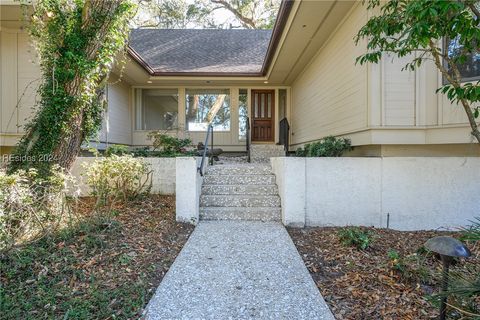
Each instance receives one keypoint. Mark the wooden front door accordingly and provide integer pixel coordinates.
(263, 115)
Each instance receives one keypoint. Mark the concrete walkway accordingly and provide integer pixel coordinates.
(238, 270)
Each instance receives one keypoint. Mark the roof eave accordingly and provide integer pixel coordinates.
(278, 29)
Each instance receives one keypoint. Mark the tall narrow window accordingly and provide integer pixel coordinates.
(205, 106)
(282, 103)
(242, 113)
(156, 109)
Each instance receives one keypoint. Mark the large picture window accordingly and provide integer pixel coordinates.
(470, 68)
(204, 106)
(156, 109)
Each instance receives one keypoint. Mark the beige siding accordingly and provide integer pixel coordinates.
(28, 80)
(118, 114)
(20, 79)
(330, 96)
(399, 92)
(9, 82)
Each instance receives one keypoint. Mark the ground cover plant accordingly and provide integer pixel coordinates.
(105, 267)
(393, 278)
(327, 147)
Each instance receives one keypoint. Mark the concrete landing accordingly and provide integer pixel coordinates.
(238, 270)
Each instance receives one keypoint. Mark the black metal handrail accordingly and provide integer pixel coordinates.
(205, 150)
(284, 134)
(247, 144)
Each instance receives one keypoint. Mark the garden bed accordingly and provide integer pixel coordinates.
(392, 279)
(106, 267)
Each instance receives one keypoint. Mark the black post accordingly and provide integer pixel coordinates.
(443, 303)
(211, 146)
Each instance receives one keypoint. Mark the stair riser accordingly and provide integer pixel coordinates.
(239, 190)
(238, 179)
(239, 201)
(233, 170)
(258, 214)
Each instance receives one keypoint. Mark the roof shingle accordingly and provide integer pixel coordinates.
(201, 50)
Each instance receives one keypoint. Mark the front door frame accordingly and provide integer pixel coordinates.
(272, 118)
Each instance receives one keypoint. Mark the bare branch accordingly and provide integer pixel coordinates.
(247, 22)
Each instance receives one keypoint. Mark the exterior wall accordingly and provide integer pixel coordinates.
(163, 175)
(188, 189)
(117, 126)
(416, 150)
(330, 96)
(19, 82)
(384, 111)
(415, 193)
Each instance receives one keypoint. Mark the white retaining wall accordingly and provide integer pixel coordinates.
(163, 175)
(188, 189)
(418, 193)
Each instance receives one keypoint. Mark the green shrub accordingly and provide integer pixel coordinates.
(145, 152)
(32, 206)
(118, 178)
(356, 237)
(169, 144)
(116, 149)
(326, 147)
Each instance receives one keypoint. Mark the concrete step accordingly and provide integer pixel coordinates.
(239, 169)
(248, 179)
(225, 189)
(241, 213)
(239, 201)
(261, 153)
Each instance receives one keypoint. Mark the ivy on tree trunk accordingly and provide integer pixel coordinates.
(77, 42)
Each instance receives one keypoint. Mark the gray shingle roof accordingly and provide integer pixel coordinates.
(201, 50)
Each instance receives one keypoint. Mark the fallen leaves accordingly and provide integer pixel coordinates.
(360, 284)
(103, 271)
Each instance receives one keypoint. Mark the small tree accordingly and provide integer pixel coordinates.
(419, 27)
(77, 42)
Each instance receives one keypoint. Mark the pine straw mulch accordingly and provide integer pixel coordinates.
(105, 267)
(365, 284)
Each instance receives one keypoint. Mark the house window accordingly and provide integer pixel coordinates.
(470, 69)
(242, 113)
(156, 109)
(204, 106)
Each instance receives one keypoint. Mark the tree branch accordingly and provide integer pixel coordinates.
(456, 83)
(247, 22)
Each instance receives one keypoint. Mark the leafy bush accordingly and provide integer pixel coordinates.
(356, 237)
(32, 206)
(326, 147)
(169, 144)
(118, 178)
(116, 149)
(146, 153)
